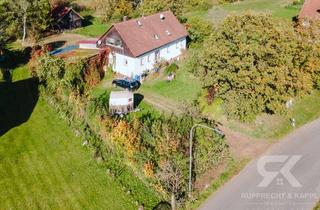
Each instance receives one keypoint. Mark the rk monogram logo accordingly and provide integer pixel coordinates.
(268, 176)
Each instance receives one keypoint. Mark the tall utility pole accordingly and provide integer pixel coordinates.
(191, 148)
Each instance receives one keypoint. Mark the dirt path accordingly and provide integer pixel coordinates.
(63, 39)
(161, 103)
(242, 146)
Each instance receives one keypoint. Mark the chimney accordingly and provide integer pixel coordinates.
(125, 18)
(162, 17)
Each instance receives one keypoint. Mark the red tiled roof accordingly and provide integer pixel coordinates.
(310, 10)
(59, 12)
(145, 34)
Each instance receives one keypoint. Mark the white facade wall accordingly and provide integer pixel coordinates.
(88, 46)
(132, 67)
(123, 64)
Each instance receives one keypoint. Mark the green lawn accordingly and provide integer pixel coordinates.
(277, 8)
(94, 29)
(43, 165)
(185, 87)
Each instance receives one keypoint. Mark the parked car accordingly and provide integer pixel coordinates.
(130, 85)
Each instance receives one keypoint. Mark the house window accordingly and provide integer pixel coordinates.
(114, 42)
(141, 62)
(157, 55)
(177, 45)
(168, 49)
(148, 58)
(156, 36)
(125, 62)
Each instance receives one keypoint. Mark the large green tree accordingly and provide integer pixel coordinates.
(148, 7)
(26, 17)
(4, 25)
(198, 29)
(256, 63)
(115, 9)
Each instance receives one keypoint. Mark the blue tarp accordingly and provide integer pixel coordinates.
(64, 49)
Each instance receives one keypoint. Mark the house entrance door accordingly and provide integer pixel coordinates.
(114, 61)
(157, 56)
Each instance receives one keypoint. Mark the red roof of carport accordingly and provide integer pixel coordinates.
(310, 10)
(89, 41)
(140, 39)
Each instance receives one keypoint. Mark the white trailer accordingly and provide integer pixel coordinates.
(121, 102)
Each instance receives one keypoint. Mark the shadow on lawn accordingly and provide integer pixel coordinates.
(87, 20)
(17, 101)
(15, 58)
(138, 98)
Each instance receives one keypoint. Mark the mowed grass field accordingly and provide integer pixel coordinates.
(95, 29)
(44, 166)
(185, 87)
(277, 8)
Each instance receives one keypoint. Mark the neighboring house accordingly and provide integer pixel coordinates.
(310, 11)
(66, 18)
(138, 44)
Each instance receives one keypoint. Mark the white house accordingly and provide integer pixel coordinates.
(138, 44)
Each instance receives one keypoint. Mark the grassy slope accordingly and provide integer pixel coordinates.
(44, 166)
(278, 8)
(272, 6)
